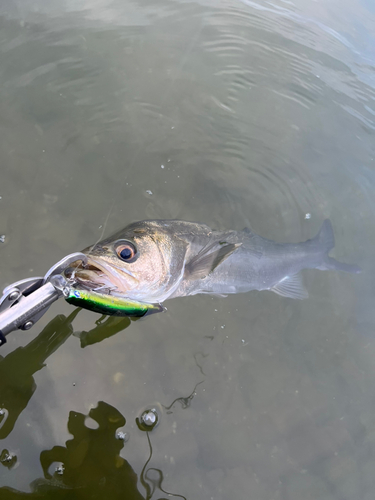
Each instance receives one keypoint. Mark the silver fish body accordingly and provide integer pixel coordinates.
(151, 261)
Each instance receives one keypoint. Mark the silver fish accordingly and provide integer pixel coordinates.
(155, 260)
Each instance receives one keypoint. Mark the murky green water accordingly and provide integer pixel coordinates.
(231, 113)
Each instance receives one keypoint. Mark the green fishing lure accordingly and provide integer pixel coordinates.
(109, 304)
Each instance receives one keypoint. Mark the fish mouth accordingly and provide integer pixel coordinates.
(97, 275)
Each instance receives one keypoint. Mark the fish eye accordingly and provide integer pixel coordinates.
(126, 251)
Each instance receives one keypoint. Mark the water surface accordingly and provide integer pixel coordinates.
(230, 113)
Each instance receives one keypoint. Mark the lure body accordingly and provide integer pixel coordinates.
(109, 304)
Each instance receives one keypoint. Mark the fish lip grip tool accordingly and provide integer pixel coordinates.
(23, 303)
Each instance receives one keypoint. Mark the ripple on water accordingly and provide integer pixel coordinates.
(265, 47)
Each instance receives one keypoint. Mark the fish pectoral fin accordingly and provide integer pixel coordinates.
(292, 287)
(209, 258)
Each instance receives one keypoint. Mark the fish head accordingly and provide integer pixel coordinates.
(144, 261)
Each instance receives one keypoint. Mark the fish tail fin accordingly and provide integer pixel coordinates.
(331, 263)
(325, 239)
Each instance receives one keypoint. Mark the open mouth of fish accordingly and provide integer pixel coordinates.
(94, 276)
(94, 287)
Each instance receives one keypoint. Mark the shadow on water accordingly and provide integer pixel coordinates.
(17, 384)
(106, 326)
(90, 465)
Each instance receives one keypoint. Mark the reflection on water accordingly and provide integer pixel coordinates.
(232, 113)
(105, 328)
(17, 384)
(90, 465)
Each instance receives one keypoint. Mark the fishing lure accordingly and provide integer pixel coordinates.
(109, 304)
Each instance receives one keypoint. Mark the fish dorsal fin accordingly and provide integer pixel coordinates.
(208, 258)
(291, 286)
